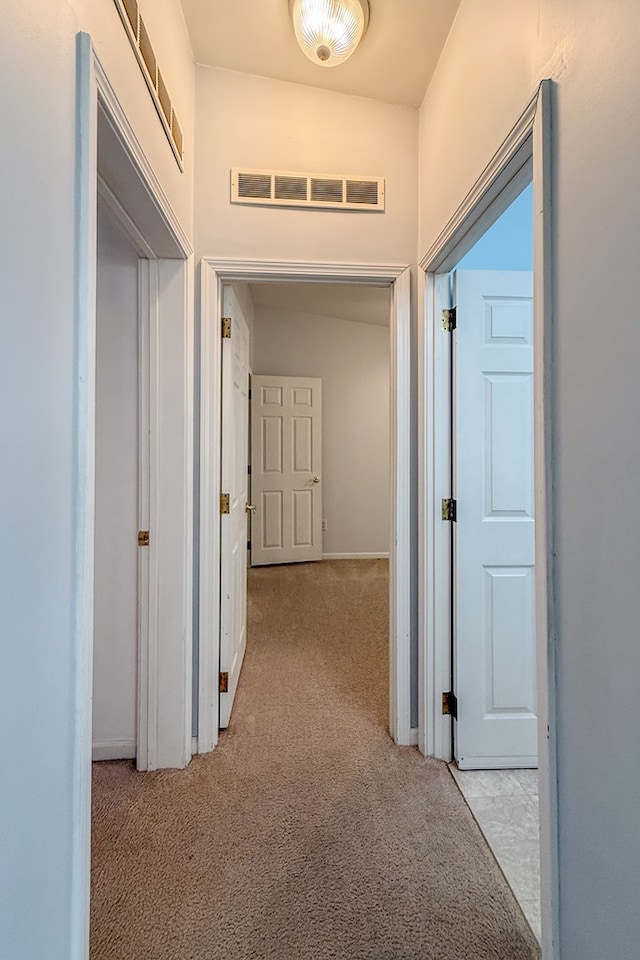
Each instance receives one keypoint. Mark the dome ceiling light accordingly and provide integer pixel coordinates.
(328, 31)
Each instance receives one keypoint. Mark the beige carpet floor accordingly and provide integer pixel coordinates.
(306, 835)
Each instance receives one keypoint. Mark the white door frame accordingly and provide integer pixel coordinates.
(166, 711)
(214, 272)
(524, 155)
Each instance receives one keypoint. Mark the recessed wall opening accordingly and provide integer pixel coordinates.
(305, 379)
(487, 672)
(493, 656)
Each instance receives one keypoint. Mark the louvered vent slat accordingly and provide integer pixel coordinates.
(279, 188)
(176, 133)
(326, 190)
(131, 8)
(146, 50)
(290, 188)
(256, 185)
(165, 99)
(362, 191)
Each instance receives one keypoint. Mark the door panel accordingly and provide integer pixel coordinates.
(117, 488)
(234, 481)
(494, 645)
(286, 478)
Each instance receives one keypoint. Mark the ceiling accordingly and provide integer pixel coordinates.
(338, 300)
(394, 61)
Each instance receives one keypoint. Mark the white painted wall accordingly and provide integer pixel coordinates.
(38, 814)
(116, 561)
(353, 361)
(497, 53)
(249, 121)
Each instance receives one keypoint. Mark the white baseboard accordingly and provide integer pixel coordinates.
(113, 750)
(355, 556)
(413, 740)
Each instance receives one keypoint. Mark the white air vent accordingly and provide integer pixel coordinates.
(276, 188)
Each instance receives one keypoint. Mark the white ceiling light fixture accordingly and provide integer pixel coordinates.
(328, 31)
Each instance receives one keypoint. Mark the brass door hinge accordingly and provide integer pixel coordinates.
(143, 538)
(226, 328)
(449, 509)
(449, 320)
(225, 503)
(224, 682)
(450, 705)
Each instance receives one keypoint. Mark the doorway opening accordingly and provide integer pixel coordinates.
(468, 414)
(313, 430)
(396, 280)
(494, 722)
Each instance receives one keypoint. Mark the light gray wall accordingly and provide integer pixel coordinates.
(269, 124)
(590, 50)
(353, 361)
(39, 816)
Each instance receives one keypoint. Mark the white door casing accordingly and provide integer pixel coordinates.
(234, 481)
(494, 535)
(286, 469)
(214, 274)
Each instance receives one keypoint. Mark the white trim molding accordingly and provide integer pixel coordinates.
(524, 155)
(113, 750)
(127, 136)
(355, 556)
(397, 276)
(488, 186)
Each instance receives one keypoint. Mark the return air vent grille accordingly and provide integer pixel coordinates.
(290, 188)
(280, 189)
(254, 186)
(326, 191)
(141, 42)
(362, 191)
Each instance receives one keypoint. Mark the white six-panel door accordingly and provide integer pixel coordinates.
(494, 599)
(286, 469)
(234, 482)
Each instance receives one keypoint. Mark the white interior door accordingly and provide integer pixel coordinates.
(286, 469)
(494, 646)
(234, 484)
(116, 497)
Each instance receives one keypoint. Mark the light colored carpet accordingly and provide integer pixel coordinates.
(307, 835)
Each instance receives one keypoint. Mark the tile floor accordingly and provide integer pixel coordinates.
(505, 804)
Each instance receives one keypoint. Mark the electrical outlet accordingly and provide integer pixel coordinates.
(324, 524)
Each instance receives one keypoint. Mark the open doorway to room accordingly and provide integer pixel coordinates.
(218, 556)
(313, 498)
(487, 671)
(493, 655)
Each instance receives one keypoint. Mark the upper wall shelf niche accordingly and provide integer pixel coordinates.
(139, 39)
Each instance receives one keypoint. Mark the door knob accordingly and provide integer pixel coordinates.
(316, 480)
(249, 507)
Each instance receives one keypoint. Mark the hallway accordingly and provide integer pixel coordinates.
(307, 833)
